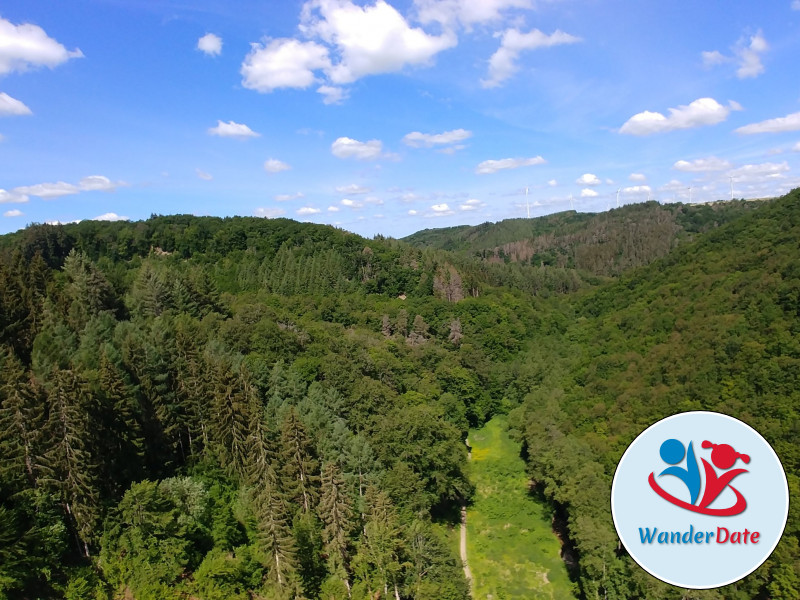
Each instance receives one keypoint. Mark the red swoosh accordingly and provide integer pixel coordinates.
(737, 508)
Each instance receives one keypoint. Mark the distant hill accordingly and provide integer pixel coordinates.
(605, 243)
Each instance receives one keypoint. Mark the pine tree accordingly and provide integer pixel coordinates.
(336, 511)
(300, 466)
(70, 463)
(228, 428)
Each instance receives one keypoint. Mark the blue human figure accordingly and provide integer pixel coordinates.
(672, 452)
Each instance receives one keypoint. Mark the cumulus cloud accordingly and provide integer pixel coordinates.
(636, 189)
(333, 209)
(390, 44)
(503, 63)
(374, 200)
(332, 94)
(749, 54)
(472, 204)
(588, 193)
(287, 197)
(353, 189)
(12, 197)
(493, 166)
(759, 172)
(351, 203)
(48, 191)
(27, 46)
(417, 139)
(701, 165)
(412, 212)
(345, 147)
(11, 106)
(110, 216)
(703, 111)
(210, 44)
(203, 175)
(307, 210)
(788, 123)
(283, 63)
(466, 12)
(273, 165)
(440, 210)
(588, 179)
(99, 183)
(269, 213)
(552, 183)
(231, 129)
(637, 177)
(796, 147)
(13, 213)
(746, 54)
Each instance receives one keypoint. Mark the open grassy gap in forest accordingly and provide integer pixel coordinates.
(511, 547)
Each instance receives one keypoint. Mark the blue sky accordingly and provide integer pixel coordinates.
(391, 117)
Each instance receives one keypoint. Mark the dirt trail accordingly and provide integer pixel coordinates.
(467, 572)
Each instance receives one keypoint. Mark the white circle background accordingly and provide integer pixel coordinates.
(635, 505)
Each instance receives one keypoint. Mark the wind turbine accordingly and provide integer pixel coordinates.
(618, 189)
(731, 177)
(527, 206)
(571, 205)
(690, 194)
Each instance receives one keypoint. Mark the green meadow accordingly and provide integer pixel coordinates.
(511, 548)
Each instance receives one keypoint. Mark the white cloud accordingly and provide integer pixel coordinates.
(701, 165)
(416, 139)
(287, 197)
(99, 183)
(283, 63)
(345, 147)
(412, 212)
(231, 129)
(637, 177)
(552, 183)
(713, 58)
(203, 175)
(759, 172)
(110, 216)
(796, 147)
(788, 123)
(351, 203)
(48, 190)
(467, 12)
(369, 40)
(27, 46)
(472, 204)
(332, 94)
(493, 166)
(269, 213)
(440, 208)
(11, 106)
(13, 213)
(750, 56)
(704, 111)
(210, 44)
(636, 189)
(673, 186)
(502, 63)
(451, 149)
(374, 200)
(307, 210)
(588, 193)
(353, 189)
(588, 179)
(333, 209)
(273, 165)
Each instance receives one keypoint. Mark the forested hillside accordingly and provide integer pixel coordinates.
(591, 243)
(715, 325)
(217, 408)
(246, 408)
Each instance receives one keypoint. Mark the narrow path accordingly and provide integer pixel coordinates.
(467, 571)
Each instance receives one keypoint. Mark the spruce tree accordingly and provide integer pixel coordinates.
(300, 468)
(336, 511)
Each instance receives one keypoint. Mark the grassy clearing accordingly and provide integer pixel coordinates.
(511, 547)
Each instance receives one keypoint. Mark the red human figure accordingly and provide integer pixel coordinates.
(724, 457)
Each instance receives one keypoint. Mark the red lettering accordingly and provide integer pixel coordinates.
(720, 539)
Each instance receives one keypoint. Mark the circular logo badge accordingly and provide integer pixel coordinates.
(699, 500)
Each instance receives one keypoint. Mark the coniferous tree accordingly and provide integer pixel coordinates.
(336, 511)
(228, 427)
(300, 468)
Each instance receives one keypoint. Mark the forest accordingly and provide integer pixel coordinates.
(207, 408)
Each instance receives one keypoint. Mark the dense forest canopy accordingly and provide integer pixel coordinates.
(248, 408)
